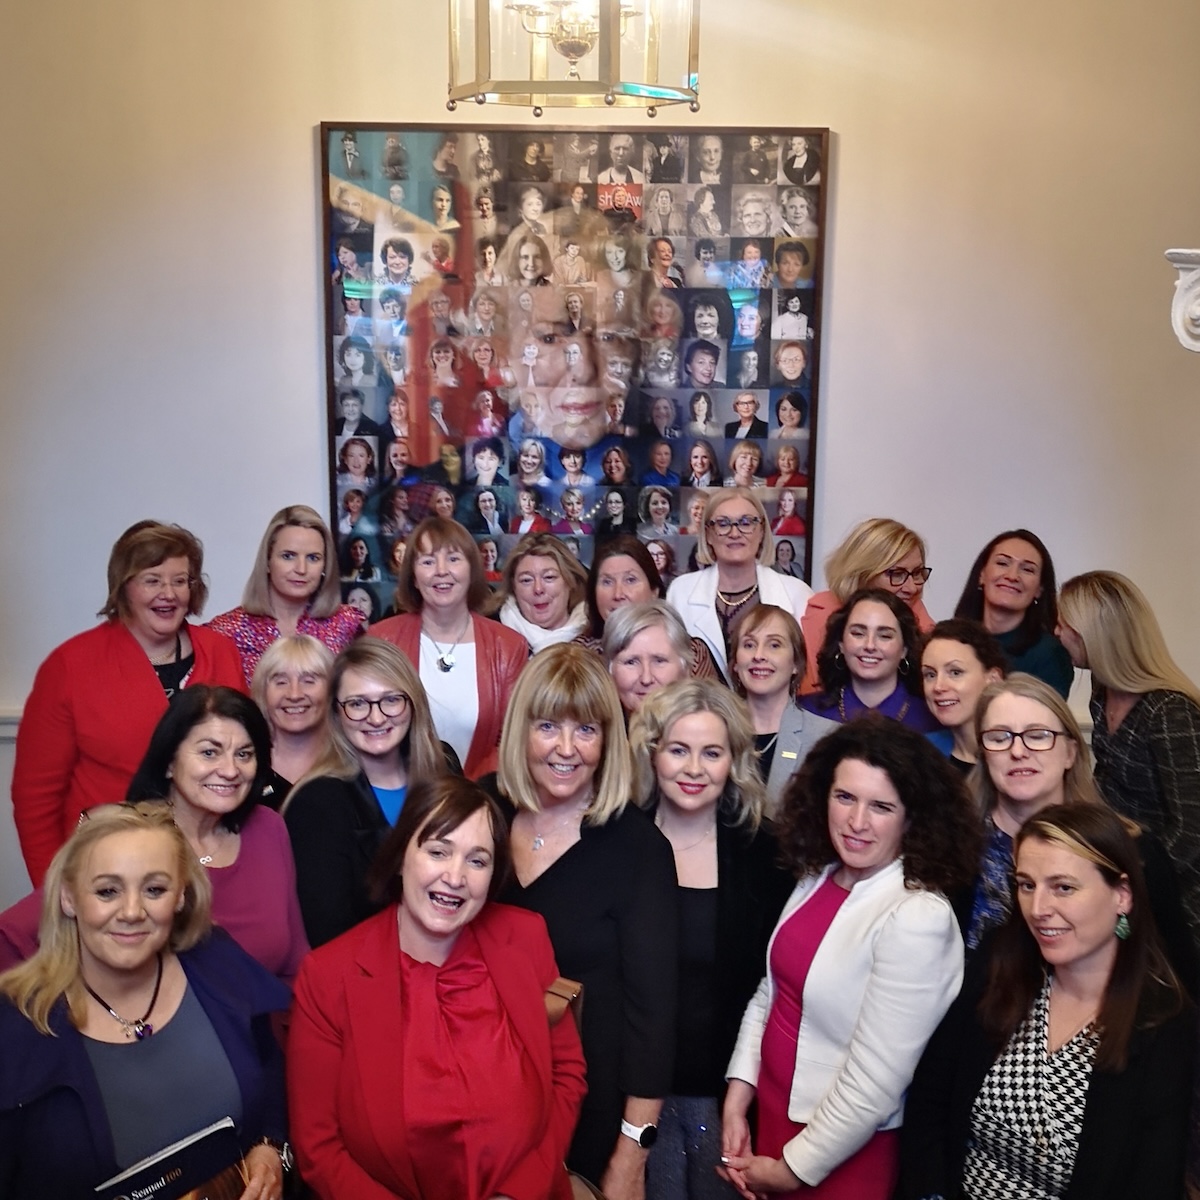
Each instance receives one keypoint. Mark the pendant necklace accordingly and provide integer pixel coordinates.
(133, 1029)
(539, 841)
(445, 658)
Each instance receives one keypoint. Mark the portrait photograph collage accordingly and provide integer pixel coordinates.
(577, 332)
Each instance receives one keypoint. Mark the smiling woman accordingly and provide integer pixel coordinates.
(132, 1027)
(293, 588)
(381, 736)
(542, 594)
(601, 875)
(463, 1002)
(467, 664)
(96, 698)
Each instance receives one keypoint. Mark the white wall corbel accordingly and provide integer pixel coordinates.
(1185, 308)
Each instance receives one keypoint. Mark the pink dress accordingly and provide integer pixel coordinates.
(869, 1174)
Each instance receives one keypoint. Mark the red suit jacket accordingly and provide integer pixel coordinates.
(346, 1076)
(500, 656)
(86, 725)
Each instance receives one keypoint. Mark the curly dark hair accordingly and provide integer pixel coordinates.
(832, 670)
(942, 840)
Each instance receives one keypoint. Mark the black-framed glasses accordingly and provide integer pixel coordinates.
(1032, 739)
(723, 526)
(358, 708)
(898, 576)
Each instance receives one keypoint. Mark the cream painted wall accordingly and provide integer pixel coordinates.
(998, 351)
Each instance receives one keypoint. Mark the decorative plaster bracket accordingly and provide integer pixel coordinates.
(1185, 308)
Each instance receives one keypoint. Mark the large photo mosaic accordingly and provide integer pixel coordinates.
(570, 331)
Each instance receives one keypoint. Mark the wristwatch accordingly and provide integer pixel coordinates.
(283, 1149)
(644, 1135)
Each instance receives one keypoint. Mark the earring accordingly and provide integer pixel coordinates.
(1122, 930)
(904, 667)
(838, 660)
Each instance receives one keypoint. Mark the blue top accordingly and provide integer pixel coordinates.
(901, 706)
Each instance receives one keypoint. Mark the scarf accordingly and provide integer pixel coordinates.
(537, 637)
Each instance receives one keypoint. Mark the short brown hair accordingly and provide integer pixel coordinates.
(437, 533)
(146, 545)
(433, 808)
(544, 545)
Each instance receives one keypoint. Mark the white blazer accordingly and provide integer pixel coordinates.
(694, 598)
(882, 978)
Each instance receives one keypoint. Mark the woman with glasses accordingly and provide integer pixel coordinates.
(381, 737)
(1010, 589)
(735, 546)
(97, 698)
(870, 661)
(1145, 716)
(878, 553)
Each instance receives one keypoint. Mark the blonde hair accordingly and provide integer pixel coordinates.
(566, 682)
(744, 798)
(751, 620)
(543, 545)
(719, 496)
(870, 547)
(256, 596)
(1079, 787)
(1124, 643)
(420, 749)
(299, 651)
(54, 972)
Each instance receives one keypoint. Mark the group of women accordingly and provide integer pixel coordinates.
(811, 860)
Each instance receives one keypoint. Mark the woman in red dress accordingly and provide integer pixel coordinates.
(422, 1063)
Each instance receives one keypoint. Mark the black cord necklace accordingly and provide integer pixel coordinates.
(138, 1029)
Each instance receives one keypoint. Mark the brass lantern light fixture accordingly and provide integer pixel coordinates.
(575, 53)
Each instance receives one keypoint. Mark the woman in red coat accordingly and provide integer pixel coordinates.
(422, 1061)
(98, 697)
(440, 591)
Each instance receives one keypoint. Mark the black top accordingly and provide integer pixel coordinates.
(1134, 1130)
(611, 908)
(699, 1067)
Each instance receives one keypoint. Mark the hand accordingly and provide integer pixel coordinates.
(756, 1175)
(264, 1168)
(625, 1176)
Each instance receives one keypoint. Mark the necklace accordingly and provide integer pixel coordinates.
(743, 593)
(539, 840)
(173, 656)
(445, 658)
(842, 706)
(702, 838)
(133, 1029)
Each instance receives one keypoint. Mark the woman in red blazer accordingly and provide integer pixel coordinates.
(98, 697)
(424, 1065)
(440, 590)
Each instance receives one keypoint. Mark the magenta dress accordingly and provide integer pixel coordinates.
(869, 1174)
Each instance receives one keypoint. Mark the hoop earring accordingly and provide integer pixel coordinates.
(838, 660)
(904, 667)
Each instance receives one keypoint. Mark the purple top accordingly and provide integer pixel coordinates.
(901, 706)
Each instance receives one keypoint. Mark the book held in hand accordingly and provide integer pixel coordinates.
(207, 1165)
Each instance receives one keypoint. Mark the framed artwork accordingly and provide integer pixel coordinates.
(580, 331)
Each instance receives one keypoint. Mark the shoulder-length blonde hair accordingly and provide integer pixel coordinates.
(300, 651)
(566, 682)
(722, 495)
(420, 749)
(870, 547)
(54, 972)
(256, 596)
(744, 798)
(543, 545)
(1124, 643)
(1079, 787)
